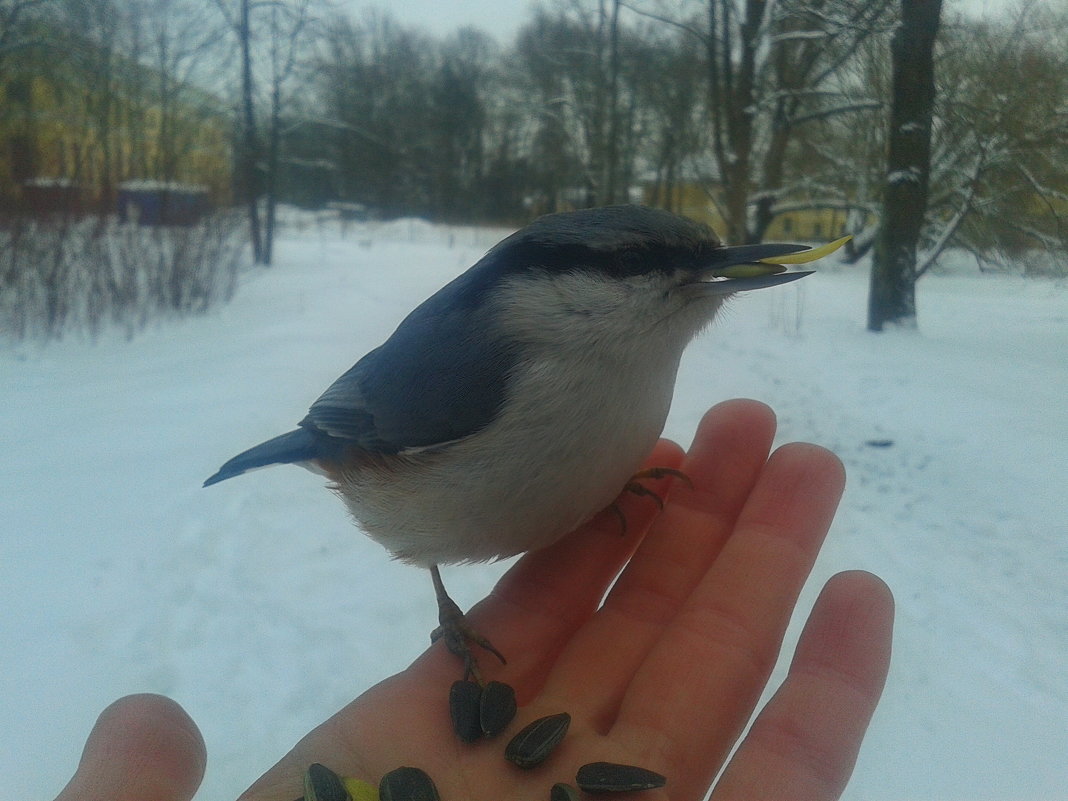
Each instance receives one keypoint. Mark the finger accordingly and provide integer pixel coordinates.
(142, 747)
(804, 743)
(539, 603)
(730, 448)
(693, 694)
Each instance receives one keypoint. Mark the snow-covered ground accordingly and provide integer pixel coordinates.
(258, 607)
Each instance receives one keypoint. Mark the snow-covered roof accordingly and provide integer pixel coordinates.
(149, 185)
(50, 182)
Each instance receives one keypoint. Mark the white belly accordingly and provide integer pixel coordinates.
(530, 477)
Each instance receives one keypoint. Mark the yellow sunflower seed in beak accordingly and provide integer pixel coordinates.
(751, 270)
(806, 256)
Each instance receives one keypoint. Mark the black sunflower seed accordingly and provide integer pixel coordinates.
(464, 703)
(407, 784)
(607, 777)
(496, 708)
(536, 741)
(322, 784)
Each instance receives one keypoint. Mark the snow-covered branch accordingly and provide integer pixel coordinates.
(834, 111)
(821, 203)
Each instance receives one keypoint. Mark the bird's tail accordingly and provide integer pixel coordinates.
(300, 445)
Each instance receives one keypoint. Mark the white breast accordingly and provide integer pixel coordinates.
(583, 409)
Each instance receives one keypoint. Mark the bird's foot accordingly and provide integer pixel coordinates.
(635, 487)
(457, 635)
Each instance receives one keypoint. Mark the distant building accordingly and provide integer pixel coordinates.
(162, 202)
(691, 199)
(69, 137)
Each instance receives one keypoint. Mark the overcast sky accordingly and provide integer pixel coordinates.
(502, 18)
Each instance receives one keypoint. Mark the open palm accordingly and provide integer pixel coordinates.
(664, 672)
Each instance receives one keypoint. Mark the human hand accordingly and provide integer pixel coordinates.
(665, 674)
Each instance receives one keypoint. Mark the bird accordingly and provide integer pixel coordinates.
(520, 399)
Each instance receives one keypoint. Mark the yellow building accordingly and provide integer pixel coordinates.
(63, 125)
(691, 200)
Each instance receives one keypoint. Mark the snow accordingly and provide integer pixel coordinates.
(50, 182)
(903, 176)
(257, 606)
(149, 185)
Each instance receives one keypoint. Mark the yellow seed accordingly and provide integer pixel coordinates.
(751, 270)
(359, 789)
(806, 256)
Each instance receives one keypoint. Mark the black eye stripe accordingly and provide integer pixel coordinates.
(621, 263)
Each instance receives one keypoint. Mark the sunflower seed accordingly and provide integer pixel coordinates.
(359, 790)
(464, 698)
(536, 741)
(563, 792)
(607, 777)
(496, 708)
(407, 784)
(322, 784)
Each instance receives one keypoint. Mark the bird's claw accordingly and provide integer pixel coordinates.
(657, 473)
(635, 487)
(454, 631)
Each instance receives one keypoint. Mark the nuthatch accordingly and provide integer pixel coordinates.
(517, 401)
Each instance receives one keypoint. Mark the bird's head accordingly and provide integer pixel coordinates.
(620, 272)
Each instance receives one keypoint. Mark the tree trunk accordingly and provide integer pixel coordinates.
(274, 135)
(251, 178)
(892, 293)
(732, 93)
(611, 188)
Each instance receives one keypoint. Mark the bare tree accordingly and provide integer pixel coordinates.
(773, 70)
(167, 110)
(999, 180)
(460, 84)
(16, 30)
(375, 80)
(238, 19)
(587, 73)
(287, 24)
(999, 167)
(892, 294)
(270, 36)
(542, 71)
(671, 92)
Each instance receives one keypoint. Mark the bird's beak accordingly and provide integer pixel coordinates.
(747, 267)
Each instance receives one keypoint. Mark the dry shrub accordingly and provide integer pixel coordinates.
(64, 275)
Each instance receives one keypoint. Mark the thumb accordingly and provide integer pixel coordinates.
(142, 748)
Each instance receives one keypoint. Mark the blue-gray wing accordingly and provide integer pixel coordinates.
(440, 377)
